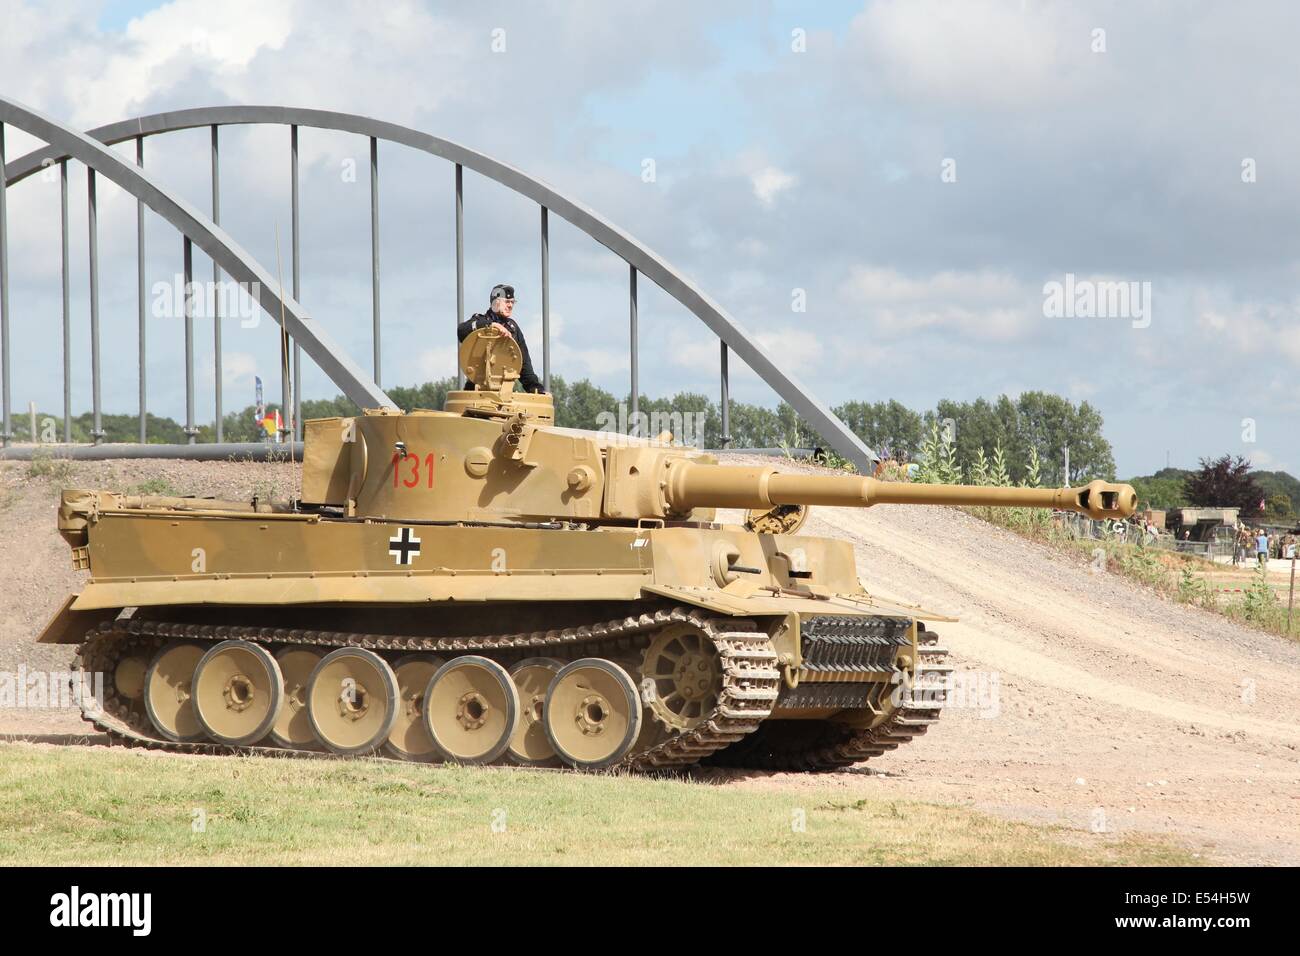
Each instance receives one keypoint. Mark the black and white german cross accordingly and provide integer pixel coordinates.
(404, 546)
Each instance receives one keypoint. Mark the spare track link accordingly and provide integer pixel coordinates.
(841, 746)
(751, 680)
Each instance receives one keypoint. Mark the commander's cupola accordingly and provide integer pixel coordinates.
(492, 360)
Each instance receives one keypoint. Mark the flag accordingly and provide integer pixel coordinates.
(272, 423)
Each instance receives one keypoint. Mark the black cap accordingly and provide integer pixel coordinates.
(499, 291)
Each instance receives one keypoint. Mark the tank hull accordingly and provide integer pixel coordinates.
(778, 626)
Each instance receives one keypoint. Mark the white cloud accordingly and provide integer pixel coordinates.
(769, 181)
(1080, 389)
(435, 363)
(983, 52)
(977, 304)
(596, 363)
(795, 349)
(237, 368)
(180, 37)
(1249, 327)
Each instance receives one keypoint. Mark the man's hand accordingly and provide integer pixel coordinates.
(498, 325)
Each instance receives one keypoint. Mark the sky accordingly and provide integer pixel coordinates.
(896, 197)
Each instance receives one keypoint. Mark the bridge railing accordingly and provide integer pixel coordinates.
(640, 260)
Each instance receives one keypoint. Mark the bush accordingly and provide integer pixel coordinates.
(45, 466)
(156, 486)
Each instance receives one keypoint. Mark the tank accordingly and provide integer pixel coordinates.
(478, 585)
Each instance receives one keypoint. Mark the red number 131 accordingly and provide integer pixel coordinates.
(412, 479)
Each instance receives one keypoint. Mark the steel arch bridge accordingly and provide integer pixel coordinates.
(93, 150)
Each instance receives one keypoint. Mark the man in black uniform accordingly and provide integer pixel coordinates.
(501, 307)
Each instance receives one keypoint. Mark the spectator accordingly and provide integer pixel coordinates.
(1261, 546)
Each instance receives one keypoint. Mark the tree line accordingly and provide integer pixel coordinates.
(1223, 482)
(1035, 425)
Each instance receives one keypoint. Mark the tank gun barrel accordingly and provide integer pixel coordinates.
(691, 485)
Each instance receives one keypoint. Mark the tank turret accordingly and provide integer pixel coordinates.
(495, 454)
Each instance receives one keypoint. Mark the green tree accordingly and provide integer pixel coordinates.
(582, 405)
(1050, 424)
(690, 416)
(976, 426)
(1279, 507)
(430, 395)
(890, 428)
(753, 426)
(1163, 494)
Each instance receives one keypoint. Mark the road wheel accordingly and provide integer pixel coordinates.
(530, 746)
(352, 701)
(409, 739)
(129, 675)
(292, 727)
(168, 691)
(238, 692)
(592, 713)
(471, 709)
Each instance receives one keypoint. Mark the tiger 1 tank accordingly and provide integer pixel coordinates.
(478, 585)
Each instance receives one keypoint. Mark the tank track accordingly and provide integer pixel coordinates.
(814, 746)
(750, 678)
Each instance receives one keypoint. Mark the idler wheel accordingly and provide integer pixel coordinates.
(168, 696)
(683, 664)
(471, 709)
(592, 713)
(292, 727)
(530, 746)
(409, 739)
(238, 692)
(352, 701)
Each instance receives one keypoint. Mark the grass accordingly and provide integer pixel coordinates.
(155, 486)
(75, 805)
(45, 465)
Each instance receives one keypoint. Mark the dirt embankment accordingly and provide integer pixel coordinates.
(1088, 701)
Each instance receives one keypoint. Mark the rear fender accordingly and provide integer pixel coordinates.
(71, 627)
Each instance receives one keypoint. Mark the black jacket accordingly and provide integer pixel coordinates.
(527, 377)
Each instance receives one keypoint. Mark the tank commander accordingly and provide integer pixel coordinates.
(500, 309)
